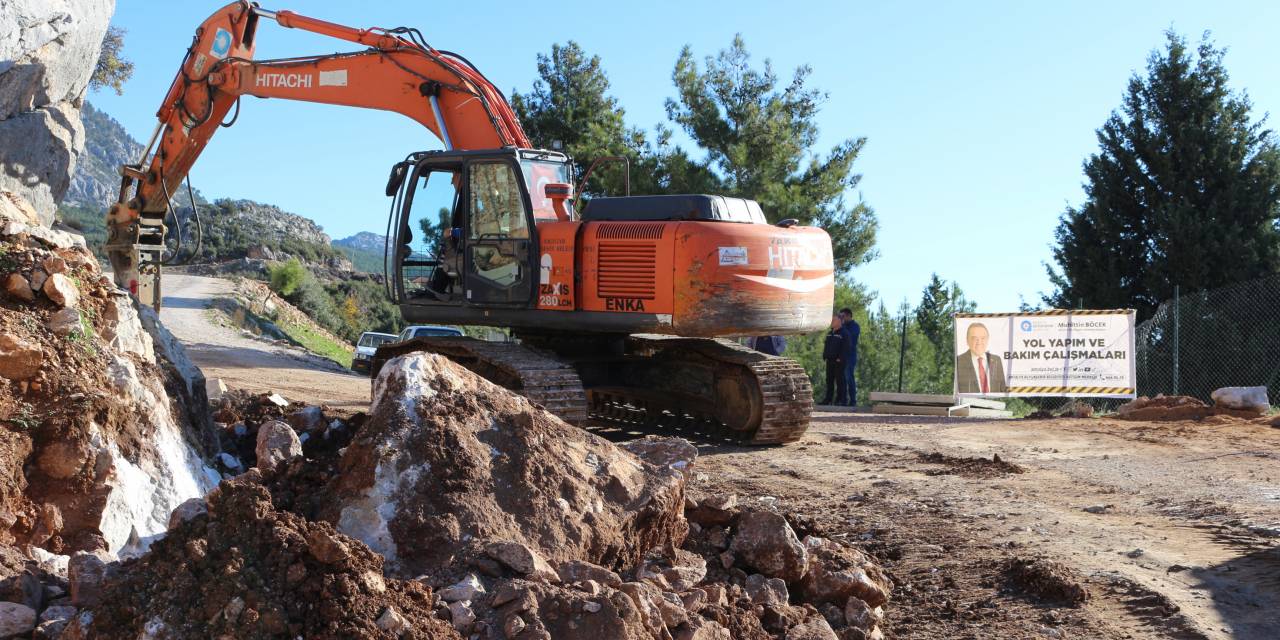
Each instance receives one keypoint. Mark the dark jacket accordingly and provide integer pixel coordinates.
(834, 349)
(851, 331)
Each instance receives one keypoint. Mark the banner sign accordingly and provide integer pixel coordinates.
(1074, 353)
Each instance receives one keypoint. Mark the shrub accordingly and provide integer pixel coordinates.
(286, 278)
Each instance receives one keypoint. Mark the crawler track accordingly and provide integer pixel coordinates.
(537, 376)
(704, 386)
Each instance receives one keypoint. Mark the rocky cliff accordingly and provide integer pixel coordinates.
(47, 54)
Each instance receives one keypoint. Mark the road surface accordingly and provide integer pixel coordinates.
(246, 362)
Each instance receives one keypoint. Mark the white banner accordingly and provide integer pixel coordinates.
(1080, 353)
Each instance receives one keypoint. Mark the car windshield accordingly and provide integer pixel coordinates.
(431, 333)
(373, 340)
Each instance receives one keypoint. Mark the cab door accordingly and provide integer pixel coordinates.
(499, 236)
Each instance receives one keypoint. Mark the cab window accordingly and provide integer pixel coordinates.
(497, 209)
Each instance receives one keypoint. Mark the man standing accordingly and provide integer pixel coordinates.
(976, 370)
(851, 331)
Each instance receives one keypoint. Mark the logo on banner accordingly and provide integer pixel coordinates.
(221, 43)
(1026, 325)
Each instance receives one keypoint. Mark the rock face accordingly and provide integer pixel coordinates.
(448, 459)
(47, 54)
(109, 447)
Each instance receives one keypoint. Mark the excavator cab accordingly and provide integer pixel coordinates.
(464, 226)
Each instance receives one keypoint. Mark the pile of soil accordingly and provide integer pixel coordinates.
(1169, 408)
(1046, 580)
(248, 570)
(970, 467)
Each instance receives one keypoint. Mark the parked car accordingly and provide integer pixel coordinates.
(365, 346)
(409, 333)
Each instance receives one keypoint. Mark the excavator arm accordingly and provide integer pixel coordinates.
(397, 72)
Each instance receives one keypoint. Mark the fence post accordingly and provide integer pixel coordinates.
(1177, 338)
(902, 350)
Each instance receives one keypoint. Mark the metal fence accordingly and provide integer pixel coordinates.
(1200, 341)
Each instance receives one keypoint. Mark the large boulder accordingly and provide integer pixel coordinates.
(47, 53)
(765, 542)
(1242, 399)
(449, 462)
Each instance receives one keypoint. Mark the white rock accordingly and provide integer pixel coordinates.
(214, 388)
(465, 589)
(462, 615)
(61, 290)
(1242, 398)
(392, 622)
(62, 612)
(277, 442)
(229, 461)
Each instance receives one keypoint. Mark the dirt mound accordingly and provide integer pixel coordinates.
(248, 570)
(1046, 580)
(1168, 408)
(448, 460)
(970, 467)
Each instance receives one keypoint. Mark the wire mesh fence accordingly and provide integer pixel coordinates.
(1204, 340)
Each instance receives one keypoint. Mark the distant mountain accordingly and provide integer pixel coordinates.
(96, 183)
(365, 250)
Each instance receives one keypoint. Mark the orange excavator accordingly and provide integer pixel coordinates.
(620, 306)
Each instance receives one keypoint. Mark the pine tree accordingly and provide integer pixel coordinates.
(1185, 190)
(761, 138)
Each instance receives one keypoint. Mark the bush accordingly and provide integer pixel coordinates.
(286, 278)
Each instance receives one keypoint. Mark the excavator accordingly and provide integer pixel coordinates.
(621, 307)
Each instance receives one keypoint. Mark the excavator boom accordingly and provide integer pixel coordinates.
(398, 72)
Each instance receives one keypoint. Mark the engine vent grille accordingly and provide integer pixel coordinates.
(627, 269)
(630, 231)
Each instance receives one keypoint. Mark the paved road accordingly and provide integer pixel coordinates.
(245, 362)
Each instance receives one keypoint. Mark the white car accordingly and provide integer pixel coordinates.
(365, 347)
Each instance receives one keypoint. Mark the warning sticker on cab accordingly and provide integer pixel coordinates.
(733, 256)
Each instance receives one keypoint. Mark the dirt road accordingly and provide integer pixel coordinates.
(1171, 526)
(246, 362)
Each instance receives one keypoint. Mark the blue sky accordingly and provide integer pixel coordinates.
(978, 115)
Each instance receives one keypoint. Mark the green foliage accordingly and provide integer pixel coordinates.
(363, 260)
(1185, 190)
(89, 222)
(287, 277)
(112, 69)
(361, 305)
(934, 319)
(760, 138)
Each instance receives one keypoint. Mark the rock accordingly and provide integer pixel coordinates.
(677, 454)
(124, 330)
(23, 588)
(277, 400)
(86, 573)
(307, 419)
(19, 287)
(38, 278)
(465, 589)
(591, 606)
(716, 510)
(326, 547)
(647, 599)
(51, 630)
(186, 511)
(462, 616)
(62, 460)
(16, 619)
(231, 462)
(277, 442)
(580, 571)
(1078, 409)
(530, 479)
(764, 590)
(702, 629)
(765, 542)
(60, 289)
(858, 614)
(392, 622)
(513, 626)
(214, 389)
(54, 264)
(15, 207)
(46, 49)
(1099, 508)
(19, 359)
(48, 523)
(521, 559)
(815, 628)
(680, 572)
(837, 572)
(1242, 398)
(64, 321)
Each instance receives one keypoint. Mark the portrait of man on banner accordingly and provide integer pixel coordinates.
(977, 369)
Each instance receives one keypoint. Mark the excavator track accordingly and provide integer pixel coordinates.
(540, 377)
(710, 386)
(702, 386)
